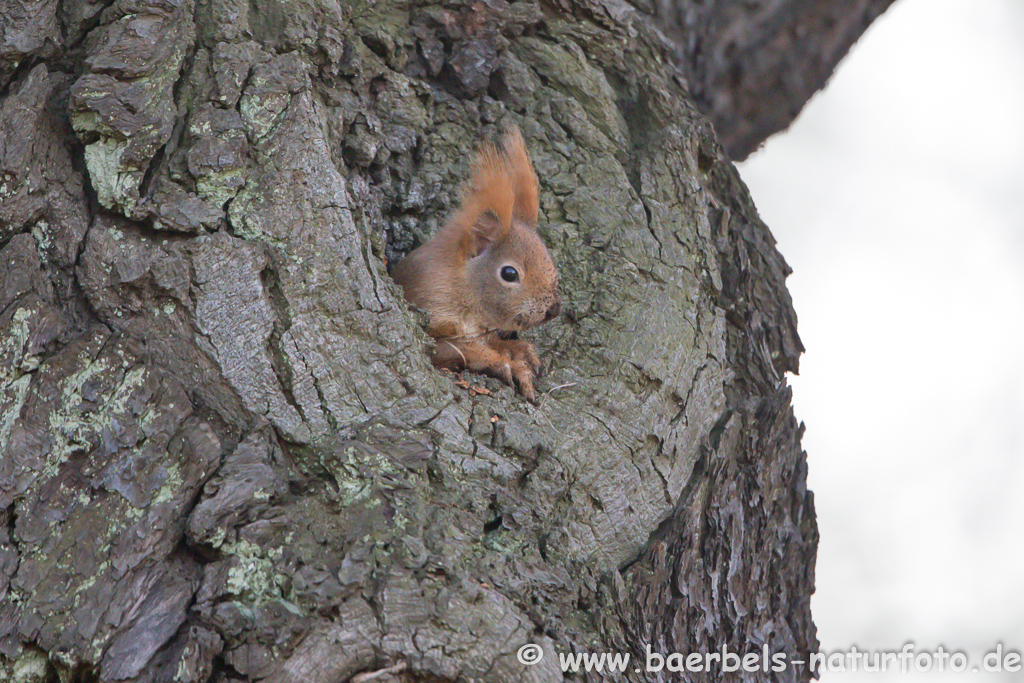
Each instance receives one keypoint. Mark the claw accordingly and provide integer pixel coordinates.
(513, 361)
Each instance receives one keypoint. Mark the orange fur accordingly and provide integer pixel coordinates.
(524, 179)
(503, 183)
(489, 189)
(456, 276)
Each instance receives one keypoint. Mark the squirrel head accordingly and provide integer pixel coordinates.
(509, 273)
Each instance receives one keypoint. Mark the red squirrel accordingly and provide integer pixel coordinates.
(486, 274)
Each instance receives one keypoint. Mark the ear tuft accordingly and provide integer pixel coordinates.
(524, 179)
(503, 185)
(487, 192)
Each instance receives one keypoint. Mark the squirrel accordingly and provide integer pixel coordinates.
(486, 274)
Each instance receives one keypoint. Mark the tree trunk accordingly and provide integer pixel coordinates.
(225, 453)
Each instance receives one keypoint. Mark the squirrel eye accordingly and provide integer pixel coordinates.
(509, 274)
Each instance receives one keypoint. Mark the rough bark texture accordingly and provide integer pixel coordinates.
(752, 65)
(225, 454)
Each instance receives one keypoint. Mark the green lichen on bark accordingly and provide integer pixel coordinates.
(123, 109)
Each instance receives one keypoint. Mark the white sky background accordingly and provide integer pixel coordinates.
(898, 199)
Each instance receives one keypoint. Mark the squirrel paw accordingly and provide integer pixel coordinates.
(513, 361)
(523, 365)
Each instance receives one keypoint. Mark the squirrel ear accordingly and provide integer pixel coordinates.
(487, 200)
(524, 179)
(486, 231)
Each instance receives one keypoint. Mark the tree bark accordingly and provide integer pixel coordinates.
(225, 453)
(751, 66)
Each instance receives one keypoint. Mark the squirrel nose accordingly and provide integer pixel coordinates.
(553, 311)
